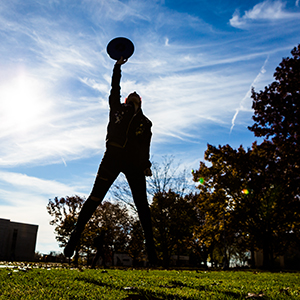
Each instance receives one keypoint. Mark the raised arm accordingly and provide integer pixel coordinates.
(115, 92)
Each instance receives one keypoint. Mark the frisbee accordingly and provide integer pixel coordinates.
(118, 47)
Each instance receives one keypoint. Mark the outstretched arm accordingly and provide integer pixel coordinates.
(115, 94)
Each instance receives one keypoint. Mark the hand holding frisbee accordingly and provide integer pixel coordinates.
(121, 61)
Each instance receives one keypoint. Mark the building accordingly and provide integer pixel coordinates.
(259, 255)
(17, 241)
(122, 259)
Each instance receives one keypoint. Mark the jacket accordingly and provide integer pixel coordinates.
(128, 129)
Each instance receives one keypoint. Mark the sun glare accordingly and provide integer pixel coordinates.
(22, 104)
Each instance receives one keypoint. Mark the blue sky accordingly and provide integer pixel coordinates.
(194, 65)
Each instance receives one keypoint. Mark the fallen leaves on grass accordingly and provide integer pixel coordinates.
(139, 297)
(252, 295)
(285, 291)
(129, 288)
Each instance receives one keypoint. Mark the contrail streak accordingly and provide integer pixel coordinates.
(248, 94)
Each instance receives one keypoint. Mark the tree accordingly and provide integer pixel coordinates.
(198, 249)
(217, 230)
(221, 187)
(172, 218)
(65, 212)
(276, 117)
(258, 189)
(247, 188)
(111, 217)
(116, 221)
(136, 244)
(166, 176)
(277, 108)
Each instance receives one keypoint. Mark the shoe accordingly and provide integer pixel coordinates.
(71, 245)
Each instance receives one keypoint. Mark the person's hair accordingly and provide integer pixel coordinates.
(133, 94)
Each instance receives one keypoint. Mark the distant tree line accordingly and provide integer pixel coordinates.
(246, 199)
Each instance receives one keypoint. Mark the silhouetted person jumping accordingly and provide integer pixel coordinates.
(127, 151)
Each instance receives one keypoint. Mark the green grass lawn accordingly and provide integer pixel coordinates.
(55, 282)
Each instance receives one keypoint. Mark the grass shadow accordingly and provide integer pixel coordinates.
(142, 294)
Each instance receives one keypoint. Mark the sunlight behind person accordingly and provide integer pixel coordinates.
(23, 104)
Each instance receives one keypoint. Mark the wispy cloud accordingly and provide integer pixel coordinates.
(117, 10)
(38, 186)
(178, 104)
(265, 11)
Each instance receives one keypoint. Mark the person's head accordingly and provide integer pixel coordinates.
(135, 99)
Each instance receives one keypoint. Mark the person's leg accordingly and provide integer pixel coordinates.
(137, 182)
(107, 174)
